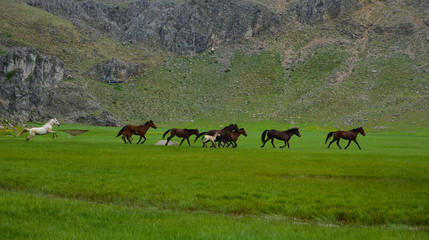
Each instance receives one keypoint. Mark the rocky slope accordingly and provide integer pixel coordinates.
(32, 88)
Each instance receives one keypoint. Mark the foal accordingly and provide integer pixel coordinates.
(208, 138)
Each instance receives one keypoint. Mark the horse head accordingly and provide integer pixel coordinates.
(152, 124)
(55, 121)
(361, 131)
(233, 127)
(241, 130)
(296, 131)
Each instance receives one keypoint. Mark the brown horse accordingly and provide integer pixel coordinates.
(183, 133)
(280, 135)
(236, 134)
(128, 130)
(349, 135)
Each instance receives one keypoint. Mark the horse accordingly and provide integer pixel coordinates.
(183, 133)
(225, 134)
(348, 135)
(208, 138)
(236, 134)
(128, 131)
(45, 129)
(280, 135)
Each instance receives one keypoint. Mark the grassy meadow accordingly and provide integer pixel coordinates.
(94, 186)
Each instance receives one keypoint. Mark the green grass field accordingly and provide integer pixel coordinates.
(93, 186)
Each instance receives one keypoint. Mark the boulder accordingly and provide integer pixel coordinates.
(163, 142)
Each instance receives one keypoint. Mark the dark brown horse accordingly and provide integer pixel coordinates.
(348, 135)
(280, 135)
(128, 130)
(183, 133)
(236, 134)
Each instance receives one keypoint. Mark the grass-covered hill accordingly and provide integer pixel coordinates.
(367, 64)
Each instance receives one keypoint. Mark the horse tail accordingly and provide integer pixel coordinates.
(329, 136)
(263, 135)
(165, 133)
(23, 131)
(120, 131)
(199, 135)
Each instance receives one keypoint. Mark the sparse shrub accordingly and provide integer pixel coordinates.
(10, 74)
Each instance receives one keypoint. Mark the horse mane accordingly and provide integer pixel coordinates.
(292, 129)
(356, 129)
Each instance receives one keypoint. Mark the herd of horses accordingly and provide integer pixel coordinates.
(228, 135)
(225, 137)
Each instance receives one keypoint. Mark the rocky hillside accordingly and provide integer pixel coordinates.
(342, 62)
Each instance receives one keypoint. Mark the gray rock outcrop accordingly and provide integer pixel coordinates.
(116, 71)
(181, 28)
(197, 25)
(32, 88)
(317, 11)
(26, 80)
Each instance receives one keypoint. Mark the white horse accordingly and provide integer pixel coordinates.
(46, 129)
(208, 138)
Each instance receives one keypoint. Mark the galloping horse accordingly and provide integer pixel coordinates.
(128, 131)
(45, 129)
(349, 135)
(280, 135)
(183, 133)
(236, 134)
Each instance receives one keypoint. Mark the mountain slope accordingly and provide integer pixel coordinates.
(339, 62)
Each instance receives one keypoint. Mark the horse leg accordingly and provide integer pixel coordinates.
(288, 145)
(263, 144)
(272, 142)
(357, 144)
(168, 140)
(338, 143)
(143, 140)
(139, 140)
(284, 145)
(30, 135)
(234, 143)
(331, 143)
(187, 139)
(123, 139)
(183, 139)
(130, 140)
(348, 144)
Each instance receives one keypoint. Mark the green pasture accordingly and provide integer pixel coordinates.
(94, 186)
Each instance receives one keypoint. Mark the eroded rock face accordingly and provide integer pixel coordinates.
(197, 25)
(26, 78)
(116, 71)
(182, 28)
(32, 88)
